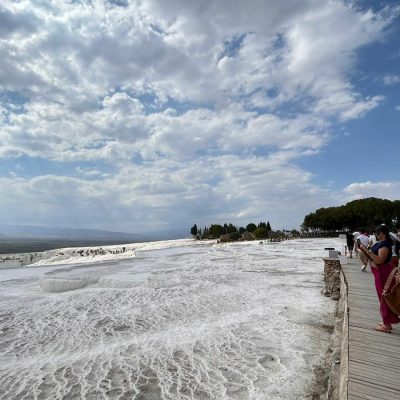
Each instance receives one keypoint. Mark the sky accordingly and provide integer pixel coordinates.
(148, 115)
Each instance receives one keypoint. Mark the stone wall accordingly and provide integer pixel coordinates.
(336, 288)
(332, 270)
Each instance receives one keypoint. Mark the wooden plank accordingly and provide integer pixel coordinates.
(376, 375)
(376, 351)
(373, 358)
(364, 390)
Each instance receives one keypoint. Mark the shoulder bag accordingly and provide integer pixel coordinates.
(392, 295)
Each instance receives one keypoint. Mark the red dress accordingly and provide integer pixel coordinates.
(381, 273)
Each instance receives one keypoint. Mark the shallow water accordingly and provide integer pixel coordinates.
(232, 321)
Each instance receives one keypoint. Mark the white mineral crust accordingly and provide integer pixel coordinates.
(166, 320)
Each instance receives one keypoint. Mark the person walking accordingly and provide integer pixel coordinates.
(380, 256)
(363, 239)
(350, 243)
(356, 234)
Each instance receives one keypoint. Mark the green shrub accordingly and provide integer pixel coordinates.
(251, 227)
(261, 233)
(235, 236)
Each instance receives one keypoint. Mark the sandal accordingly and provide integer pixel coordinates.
(383, 328)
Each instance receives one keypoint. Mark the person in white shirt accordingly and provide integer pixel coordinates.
(363, 239)
(395, 249)
(356, 234)
(372, 241)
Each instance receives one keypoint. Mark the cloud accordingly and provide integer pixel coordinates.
(121, 128)
(87, 50)
(359, 109)
(386, 190)
(151, 195)
(90, 173)
(197, 108)
(18, 22)
(391, 79)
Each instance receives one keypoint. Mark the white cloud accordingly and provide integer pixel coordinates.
(87, 50)
(360, 108)
(391, 79)
(121, 128)
(386, 190)
(152, 195)
(90, 173)
(201, 108)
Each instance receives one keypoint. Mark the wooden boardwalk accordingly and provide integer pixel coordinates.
(374, 357)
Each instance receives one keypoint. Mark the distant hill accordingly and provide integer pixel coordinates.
(61, 233)
(28, 231)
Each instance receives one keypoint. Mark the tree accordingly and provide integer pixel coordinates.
(262, 225)
(193, 230)
(251, 227)
(260, 233)
(216, 230)
(364, 214)
(268, 227)
(231, 228)
(242, 230)
(235, 236)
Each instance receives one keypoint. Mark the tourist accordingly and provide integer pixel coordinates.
(363, 239)
(350, 243)
(398, 240)
(395, 250)
(355, 235)
(380, 256)
(372, 241)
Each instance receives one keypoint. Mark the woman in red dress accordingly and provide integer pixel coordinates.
(380, 256)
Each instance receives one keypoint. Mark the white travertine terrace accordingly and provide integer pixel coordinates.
(180, 320)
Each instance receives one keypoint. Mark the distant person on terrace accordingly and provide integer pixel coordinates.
(380, 256)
